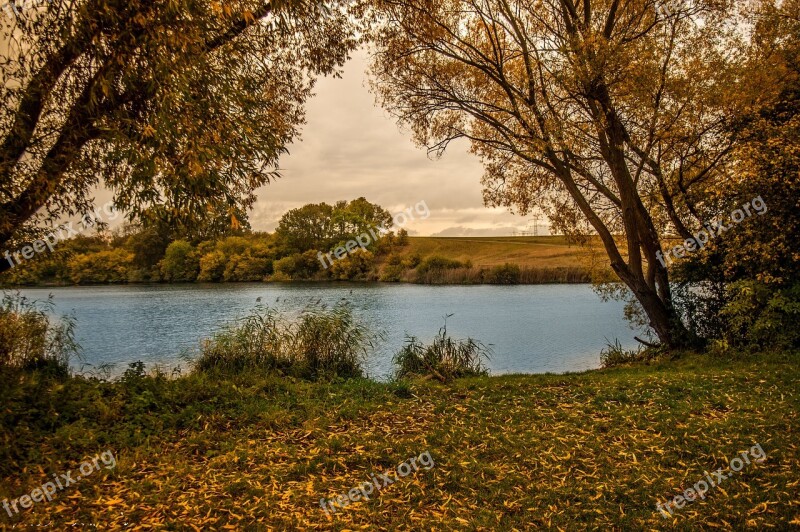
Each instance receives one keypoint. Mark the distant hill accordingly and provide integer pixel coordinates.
(524, 251)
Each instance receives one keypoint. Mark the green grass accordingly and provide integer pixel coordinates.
(595, 450)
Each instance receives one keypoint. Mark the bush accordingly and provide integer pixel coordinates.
(614, 355)
(761, 316)
(212, 267)
(432, 269)
(298, 266)
(180, 263)
(444, 359)
(438, 263)
(353, 267)
(412, 261)
(110, 266)
(505, 274)
(30, 341)
(321, 343)
(392, 273)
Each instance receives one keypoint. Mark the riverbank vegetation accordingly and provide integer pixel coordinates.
(253, 449)
(296, 251)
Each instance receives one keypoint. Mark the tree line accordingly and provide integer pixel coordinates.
(223, 252)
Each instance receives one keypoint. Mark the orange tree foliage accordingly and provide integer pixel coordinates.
(178, 106)
(612, 118)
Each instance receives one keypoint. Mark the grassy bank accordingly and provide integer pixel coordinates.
(594, 450)
(492, 260)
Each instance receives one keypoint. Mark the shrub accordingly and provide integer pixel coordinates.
(615, 355)
(392, 273)
(505, 274)
(444, 359)
(320, 343)
(761, 316)
(394, 259)
(109, 266)
(299, 265)
(247, 267)
(212, 267)
(180, 263)
(285, 266)
(412, 261)
(353, 267)
(436, 262)
(29, 340)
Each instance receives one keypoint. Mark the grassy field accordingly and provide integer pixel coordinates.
(595, 450)
(532, 252)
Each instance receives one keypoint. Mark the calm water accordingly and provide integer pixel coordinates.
(532, 329)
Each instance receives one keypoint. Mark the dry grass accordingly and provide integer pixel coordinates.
(530, 252)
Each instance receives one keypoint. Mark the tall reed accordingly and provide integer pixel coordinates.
(31, 340)
(444, 359)
(320, 343)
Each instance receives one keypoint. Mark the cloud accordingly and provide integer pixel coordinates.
(352, 148)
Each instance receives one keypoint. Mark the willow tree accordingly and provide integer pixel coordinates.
(176, 106)
(600, 112)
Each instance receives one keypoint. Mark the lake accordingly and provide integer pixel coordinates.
(531, 328)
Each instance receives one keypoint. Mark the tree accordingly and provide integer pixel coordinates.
(180, 263)
(358, 217)
(601, 112)
(750, 274)
(322, 226)
(308, 227)
(179, 105)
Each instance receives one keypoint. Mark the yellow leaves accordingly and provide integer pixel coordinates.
(543, 468)
(248, 17)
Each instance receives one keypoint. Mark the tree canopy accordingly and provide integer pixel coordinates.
(611, 117)
(321, 226)
(178, 106)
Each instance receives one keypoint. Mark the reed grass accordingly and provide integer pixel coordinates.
(444, 359)
(526, 275)
(321, 343)
(31, 340)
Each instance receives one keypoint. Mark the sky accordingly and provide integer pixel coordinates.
(351, 148)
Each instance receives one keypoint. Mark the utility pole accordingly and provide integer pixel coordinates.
(536, 224)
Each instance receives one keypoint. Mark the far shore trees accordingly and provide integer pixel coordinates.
(604, 113)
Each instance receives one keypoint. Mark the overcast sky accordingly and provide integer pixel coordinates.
(351, 148)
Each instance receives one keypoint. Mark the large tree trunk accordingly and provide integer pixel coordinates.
(650, 287)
